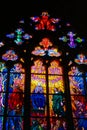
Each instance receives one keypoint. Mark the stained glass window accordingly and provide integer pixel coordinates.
(43, 84)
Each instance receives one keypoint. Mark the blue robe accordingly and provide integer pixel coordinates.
(38, 98)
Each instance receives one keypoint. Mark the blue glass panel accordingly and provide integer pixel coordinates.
(1, 123)
(14, 123)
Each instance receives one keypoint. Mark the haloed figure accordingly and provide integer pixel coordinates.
(38, 98)
(58, 102)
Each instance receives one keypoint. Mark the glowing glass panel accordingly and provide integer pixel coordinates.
(17, 77)
(3, 82)
(70, 40)
(58, 123)
(54, 68)
(16, 80)
(17, 68)
(38, 97)
(76, 81)
(45, 22)
(38, 67)
(1, 44)
(45, 43)
(3, 88)
(38, 123)
(55, 81)
(36, 80)
(79, 106)
(10, 55)
(78, 99)
(16, 102)
(38, 51)
(56, 87)
(1, 123)
(19, 36)
(81, 59)
(16, 91)
(14, 123)
(57, 104)
(3, 67)
(81, 123)
(2, 103)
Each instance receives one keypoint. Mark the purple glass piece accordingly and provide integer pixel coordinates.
(71, 44)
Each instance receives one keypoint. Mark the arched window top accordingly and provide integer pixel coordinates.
(55, 68)
(38, 67)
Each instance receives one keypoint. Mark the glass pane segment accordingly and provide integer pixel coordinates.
(10, 55)
(76, 82)
(79, 106)
(2, 103)
(17, 80)
(77, 85)
(17, 68)
(14, 123)
(3, 82)
(15, 104)
(57, 104)
(38, 67)
(55, 68)
(38, 104)
(81, 123)
(3, 67)
(38, 97)
(38, 80)
(1, 123)
(58, 124)
(55, 82)
(38, 124)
